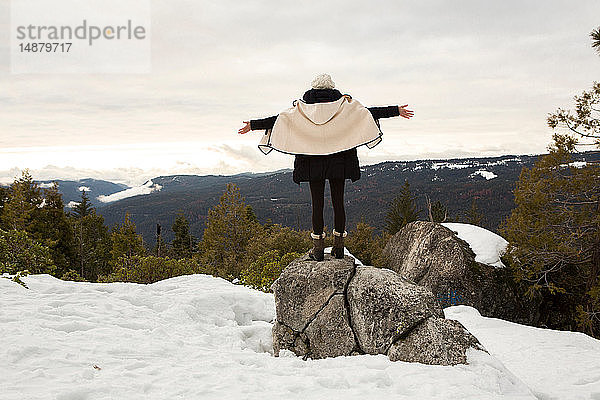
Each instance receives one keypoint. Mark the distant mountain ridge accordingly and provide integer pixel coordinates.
(274, 197)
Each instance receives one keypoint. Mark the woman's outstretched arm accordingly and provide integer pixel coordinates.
(252, 125)
(391, 111)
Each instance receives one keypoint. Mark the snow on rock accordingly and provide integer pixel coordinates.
(84, 188)
(327, 250)
(146, 188)
(553, 364)
(197, 336)
(72, 204)
(487, 246)
(486, 174)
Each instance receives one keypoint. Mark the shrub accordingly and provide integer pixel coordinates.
(263, 272)
(150, 269)
(19, 252)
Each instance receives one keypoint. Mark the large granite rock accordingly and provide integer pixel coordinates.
(306, 286)
(335, 308)
(435, 341)
(384, 306)
(433, 256)
(310, 303)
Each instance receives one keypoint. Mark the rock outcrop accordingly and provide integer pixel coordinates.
(433, 256)
(335, 308)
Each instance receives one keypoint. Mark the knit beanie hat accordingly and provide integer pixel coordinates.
(322, 81)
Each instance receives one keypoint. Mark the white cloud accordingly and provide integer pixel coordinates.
(480, 76)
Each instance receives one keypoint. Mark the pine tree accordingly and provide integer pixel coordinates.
(25, 196)
(554, 235)
(229, 228)
(402, 211)
(126, 243)
(4, 197)
(183, 245)
(51, 227)
(437, 211)
(595, 35)
(583, 129)
(93, 245)
(84, 207)
(473, 215)
(584, 123)
(19, 252)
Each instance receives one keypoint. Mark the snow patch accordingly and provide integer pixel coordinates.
(327, 250)
(436, 166)
(46, 185)
(82, 188)
(486, 174)
(198, 336)
(72, 204)
(146, 188)
(549, 362)
(487, 246)
(578, 164)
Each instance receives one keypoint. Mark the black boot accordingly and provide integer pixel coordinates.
(338, 244)
(316, 253)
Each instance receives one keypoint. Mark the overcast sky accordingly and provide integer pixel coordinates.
(481, 77)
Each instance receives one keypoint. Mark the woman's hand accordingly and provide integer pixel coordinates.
(404, 112)
(245, 128)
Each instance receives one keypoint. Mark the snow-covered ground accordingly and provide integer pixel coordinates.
(200, 337)
(555, 365)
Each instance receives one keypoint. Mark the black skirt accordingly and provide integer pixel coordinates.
(342, 165)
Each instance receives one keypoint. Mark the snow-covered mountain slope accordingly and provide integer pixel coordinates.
(147, 188)
(202, 337)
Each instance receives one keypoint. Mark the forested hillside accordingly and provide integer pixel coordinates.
(456, 183)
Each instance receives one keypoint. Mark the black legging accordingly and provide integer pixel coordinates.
(317, 192)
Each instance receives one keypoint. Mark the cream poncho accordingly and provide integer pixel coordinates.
(322, 128)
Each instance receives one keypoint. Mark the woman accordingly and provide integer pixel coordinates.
(336, 167)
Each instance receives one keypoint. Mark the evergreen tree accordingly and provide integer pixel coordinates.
(84, 207)
(229, 228)
(250, 215)
(437, 211)
(4, 196)
(402, 211)
(125, 242)
(585, 121)
(595, 35)
(51, 227)
(473, 216)
(554, 236)
(25, 196)
(92, 244)
(183, 244)
(19, 252)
